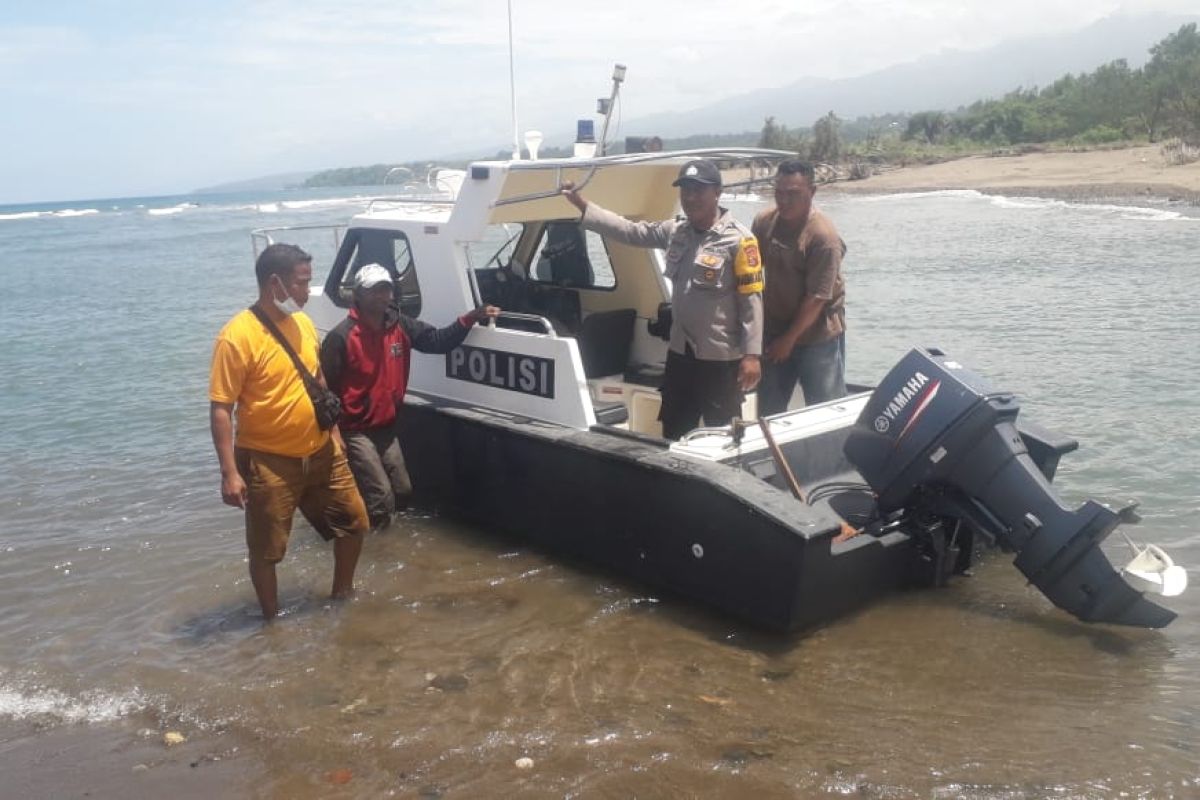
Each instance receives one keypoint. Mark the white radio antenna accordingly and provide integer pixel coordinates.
(512, 83)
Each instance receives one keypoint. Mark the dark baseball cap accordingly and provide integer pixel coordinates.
(699, 171)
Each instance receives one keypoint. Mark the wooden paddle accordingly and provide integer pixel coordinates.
(789, 477)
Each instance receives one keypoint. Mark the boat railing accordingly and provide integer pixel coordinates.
(592, 165)
(417, 203)
(266, 236)
(547, 326)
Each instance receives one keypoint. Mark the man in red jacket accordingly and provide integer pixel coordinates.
(366, 360)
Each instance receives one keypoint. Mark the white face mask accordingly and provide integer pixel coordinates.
(287, 305)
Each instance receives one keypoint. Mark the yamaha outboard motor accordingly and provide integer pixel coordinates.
(936, 438)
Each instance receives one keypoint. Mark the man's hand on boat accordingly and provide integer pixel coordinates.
(484, 313)
(573, 197)
(749, 372)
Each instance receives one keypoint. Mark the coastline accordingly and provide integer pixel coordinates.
(1093, 175)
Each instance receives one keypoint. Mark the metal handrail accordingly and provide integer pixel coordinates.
(697, 433)
(527, 318)
(662, 155)
(435, 202)
(594, 164)
(264, 234)
(312, 227)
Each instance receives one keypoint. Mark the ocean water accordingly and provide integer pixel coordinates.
(128, 612)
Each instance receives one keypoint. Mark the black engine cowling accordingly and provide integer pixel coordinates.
(936, 435)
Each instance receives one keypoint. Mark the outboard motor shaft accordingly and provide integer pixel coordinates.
(934, 436)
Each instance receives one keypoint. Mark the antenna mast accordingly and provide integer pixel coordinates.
(605, 107)
(512, 83)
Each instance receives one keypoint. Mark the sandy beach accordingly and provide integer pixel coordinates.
(1130, 172)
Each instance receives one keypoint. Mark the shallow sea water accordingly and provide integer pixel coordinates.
(128, 611)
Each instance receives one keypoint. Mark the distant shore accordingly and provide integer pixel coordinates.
(1130, 172)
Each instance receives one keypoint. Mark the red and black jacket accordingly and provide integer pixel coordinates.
(369, 368)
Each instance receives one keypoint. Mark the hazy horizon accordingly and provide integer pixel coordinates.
(156, 101)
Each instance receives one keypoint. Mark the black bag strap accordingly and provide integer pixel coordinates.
(305, 375)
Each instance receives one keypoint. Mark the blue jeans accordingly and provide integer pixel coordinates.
(820, 369)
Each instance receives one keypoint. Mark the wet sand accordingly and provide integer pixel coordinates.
(1130, 172)
(121, 760)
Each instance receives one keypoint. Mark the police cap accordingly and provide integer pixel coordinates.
(699, 171)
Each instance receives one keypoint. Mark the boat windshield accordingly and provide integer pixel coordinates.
(495, 249)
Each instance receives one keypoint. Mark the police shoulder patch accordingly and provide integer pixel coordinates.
(748, 267)
(749, 246)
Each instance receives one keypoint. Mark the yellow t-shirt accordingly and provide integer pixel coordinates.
(251, 370)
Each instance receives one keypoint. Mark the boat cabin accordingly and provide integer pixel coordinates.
(581, 340)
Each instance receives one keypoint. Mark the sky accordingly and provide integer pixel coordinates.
(106, 98)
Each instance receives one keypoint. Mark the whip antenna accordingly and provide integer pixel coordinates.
(512, 83)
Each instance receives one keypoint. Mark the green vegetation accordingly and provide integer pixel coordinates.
(374, 175)
(1113, 104)
(1110, 106)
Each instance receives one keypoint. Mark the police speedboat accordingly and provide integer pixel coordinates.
(545, 423)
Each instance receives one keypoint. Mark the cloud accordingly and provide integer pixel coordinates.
(279, 85)
(31, 46)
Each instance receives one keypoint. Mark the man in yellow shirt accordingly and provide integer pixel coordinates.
(281, 459)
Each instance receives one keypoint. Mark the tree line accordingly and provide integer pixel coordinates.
(1114, 103)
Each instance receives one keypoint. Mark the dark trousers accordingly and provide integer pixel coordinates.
(378, 466)
(693, 388)
(820, 369)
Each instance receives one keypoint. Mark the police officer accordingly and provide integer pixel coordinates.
(715, 270)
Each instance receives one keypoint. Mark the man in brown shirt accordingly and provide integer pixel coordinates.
(805, 297)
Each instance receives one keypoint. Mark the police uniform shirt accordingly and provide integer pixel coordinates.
(716, 279)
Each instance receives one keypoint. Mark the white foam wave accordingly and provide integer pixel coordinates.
(877, 198)
(268, 208)
(75, 212)
(1124, 212)
(93, 706)
(1156, 215)
(747, 197)
(23, 215)
(1030, 203)
(1023, 203)
(175, 209)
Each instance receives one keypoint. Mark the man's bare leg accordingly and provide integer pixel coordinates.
(346, 550)
(262, 575)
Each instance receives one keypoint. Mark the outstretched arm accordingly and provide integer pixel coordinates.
(614, 226)
(427, 339)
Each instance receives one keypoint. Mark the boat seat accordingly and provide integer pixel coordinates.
(605, 341)
(612, 413)
(650, 375)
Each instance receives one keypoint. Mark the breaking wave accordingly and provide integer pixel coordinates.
(62, 212)
(878, 198)
(169, 210)
(39, 703)
(1023, 203)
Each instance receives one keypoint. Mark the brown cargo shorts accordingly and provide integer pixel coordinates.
(321, 486)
